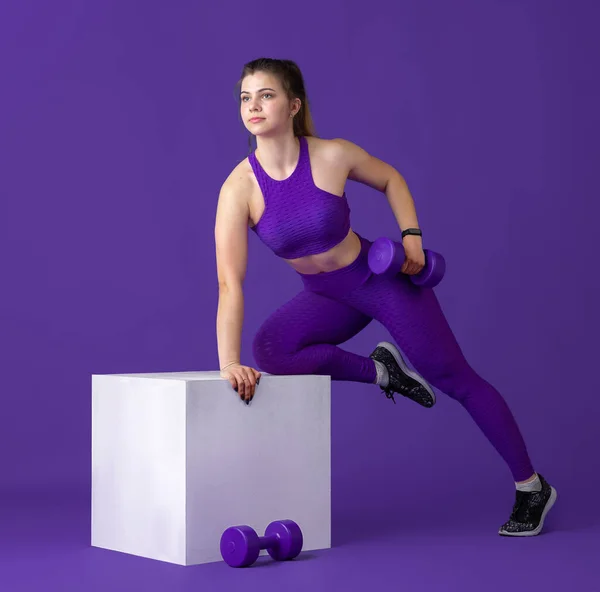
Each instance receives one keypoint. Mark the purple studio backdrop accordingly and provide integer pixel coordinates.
(118, 125)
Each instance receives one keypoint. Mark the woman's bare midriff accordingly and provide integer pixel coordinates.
(330, 179)
(341, 255)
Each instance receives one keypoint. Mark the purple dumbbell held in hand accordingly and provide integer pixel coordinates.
(240, 545)
(386, 257)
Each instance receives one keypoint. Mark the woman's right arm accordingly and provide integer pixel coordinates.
(231, 240)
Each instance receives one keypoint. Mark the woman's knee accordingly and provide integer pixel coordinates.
(262, 349)
(268, 351)
(280, 356)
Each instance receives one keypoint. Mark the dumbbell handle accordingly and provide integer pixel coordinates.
(268, 541)
(387, 257)
(425, 252)
(265, 542)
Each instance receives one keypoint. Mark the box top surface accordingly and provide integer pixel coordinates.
(213, 375)
(204, 375)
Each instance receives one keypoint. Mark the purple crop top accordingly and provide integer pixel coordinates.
(299, 218)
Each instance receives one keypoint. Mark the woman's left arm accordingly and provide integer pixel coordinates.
(373, 172)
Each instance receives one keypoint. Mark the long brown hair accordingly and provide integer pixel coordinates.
(292, 81)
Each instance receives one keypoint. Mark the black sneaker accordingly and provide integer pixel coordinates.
(529, 511)
(402, 380)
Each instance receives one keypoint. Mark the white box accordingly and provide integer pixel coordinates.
(178, 457)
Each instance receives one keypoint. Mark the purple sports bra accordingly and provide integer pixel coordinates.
(299, 218)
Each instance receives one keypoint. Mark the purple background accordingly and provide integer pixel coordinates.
(118, 126)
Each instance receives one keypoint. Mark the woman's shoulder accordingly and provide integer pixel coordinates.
(323, 143)
(240, 178)
(331, 149)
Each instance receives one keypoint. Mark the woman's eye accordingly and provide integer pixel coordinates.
(265, 95)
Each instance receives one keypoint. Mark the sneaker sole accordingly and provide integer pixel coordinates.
(538, 529)
(400, 361)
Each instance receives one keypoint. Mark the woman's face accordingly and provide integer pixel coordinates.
(264, 106)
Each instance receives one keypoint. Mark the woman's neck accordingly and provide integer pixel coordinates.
(279, 154)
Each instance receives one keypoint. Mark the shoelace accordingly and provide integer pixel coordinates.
(519, 503)
(389, 393)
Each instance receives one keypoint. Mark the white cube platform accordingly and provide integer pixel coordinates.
(177, 458)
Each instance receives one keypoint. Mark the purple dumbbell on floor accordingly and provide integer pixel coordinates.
(240, 545)
(386, 257)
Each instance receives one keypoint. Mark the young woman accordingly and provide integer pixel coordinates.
(290, 192)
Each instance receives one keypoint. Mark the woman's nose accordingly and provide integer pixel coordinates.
(253, 105)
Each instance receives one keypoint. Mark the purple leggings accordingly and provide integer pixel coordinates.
(302, 337)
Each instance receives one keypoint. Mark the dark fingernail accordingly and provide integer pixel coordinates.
(258, 381)
(247, 401)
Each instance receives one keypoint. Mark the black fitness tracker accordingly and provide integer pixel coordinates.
(414, 231)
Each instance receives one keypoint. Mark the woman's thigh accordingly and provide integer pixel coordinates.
(307, 319)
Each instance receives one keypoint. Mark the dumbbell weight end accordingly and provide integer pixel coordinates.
(289, 540)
